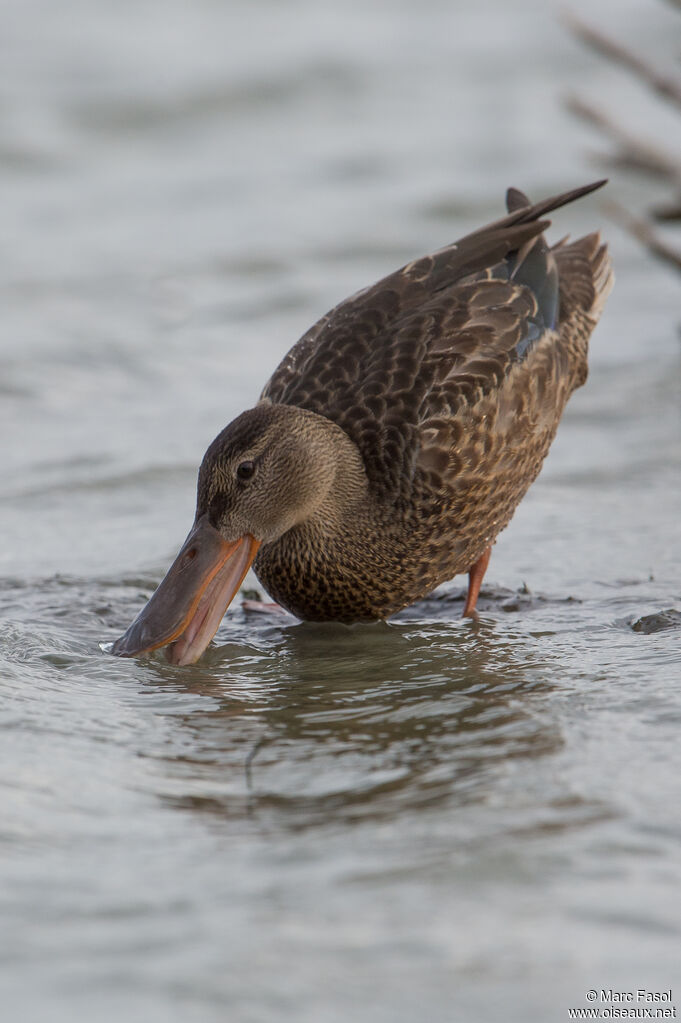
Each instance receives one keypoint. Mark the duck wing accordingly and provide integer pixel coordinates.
(397, 364)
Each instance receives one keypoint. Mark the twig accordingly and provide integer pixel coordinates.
(665, 85)
(642, 230)
(632, 152)
(672, 211)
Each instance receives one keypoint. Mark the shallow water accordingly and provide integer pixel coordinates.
(429, 818)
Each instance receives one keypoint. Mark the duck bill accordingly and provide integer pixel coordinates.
(185, 611)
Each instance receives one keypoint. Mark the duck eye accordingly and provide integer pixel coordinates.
(245, 470)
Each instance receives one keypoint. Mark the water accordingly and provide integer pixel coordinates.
(431, 819)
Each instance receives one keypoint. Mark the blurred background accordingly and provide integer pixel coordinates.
(186, 187)
(438, 833)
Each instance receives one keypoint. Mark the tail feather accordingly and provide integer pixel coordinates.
(603, 278)
(585, 273)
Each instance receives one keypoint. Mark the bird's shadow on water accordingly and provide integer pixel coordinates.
(311, 723)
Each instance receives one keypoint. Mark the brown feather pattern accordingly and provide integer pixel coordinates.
(430, 374)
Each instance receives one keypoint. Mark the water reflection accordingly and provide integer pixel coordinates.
(344, 723)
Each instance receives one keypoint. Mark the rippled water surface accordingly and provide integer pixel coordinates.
(426, 819)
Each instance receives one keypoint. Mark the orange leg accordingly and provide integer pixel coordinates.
(475, 577)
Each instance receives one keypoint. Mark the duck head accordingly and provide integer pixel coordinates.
(273, 468)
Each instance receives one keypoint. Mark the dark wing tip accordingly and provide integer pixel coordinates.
(540, 209)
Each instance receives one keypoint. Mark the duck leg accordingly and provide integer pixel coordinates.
(475, 577)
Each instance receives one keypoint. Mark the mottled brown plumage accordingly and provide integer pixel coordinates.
(422, 373)
(396, 438)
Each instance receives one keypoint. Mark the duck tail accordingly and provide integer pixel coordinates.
(585, 274)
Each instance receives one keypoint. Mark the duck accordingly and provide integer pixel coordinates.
(395, 440)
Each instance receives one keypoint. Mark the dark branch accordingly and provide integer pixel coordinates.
(632, 152)
(642, 230)
(666, 85)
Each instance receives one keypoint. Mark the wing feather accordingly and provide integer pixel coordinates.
(397, 365)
